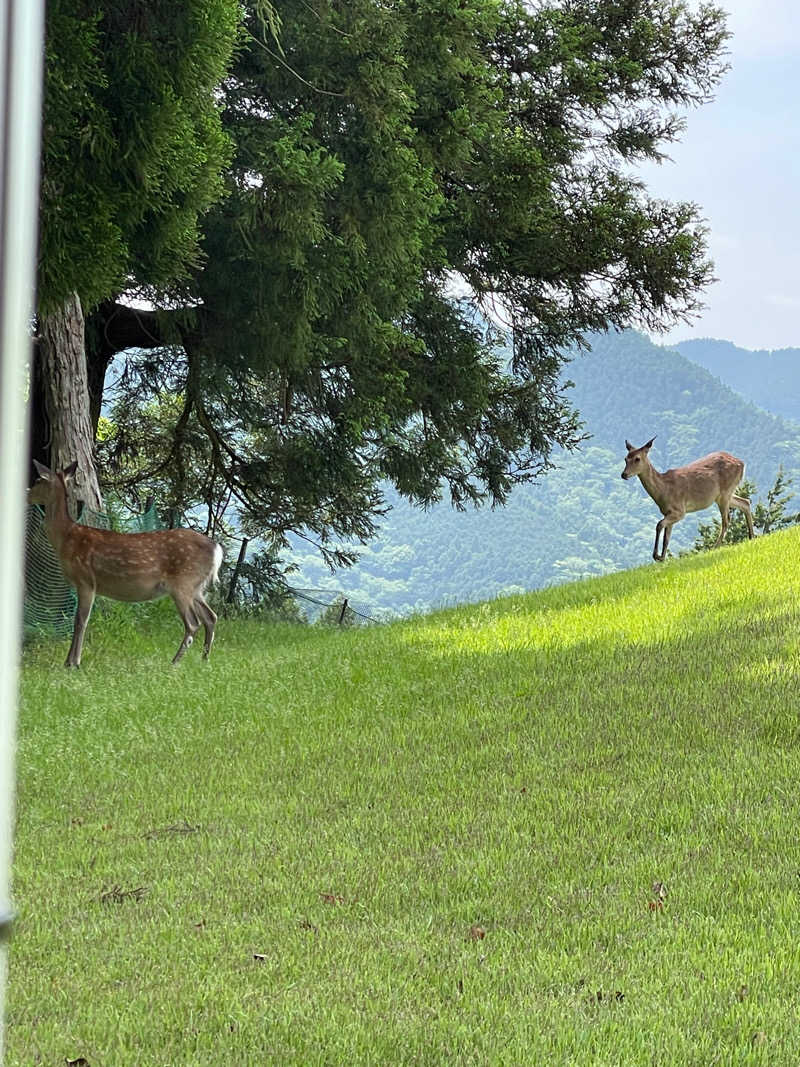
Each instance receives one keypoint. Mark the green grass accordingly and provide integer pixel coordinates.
(318, 821)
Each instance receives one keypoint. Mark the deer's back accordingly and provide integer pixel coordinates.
(140, 566)
(701, 482)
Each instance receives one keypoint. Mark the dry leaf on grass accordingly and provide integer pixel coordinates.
(599, 996)
(332, 898)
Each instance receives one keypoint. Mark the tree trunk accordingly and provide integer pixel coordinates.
(65, 396)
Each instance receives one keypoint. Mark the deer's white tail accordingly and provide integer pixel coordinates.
(214, 575)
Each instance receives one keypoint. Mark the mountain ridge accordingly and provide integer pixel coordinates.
(767, 377)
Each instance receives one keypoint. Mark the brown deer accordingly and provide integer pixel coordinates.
(127, 566)
(698, 485)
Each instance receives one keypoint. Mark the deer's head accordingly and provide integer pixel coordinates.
(49, 482)
(636, 460)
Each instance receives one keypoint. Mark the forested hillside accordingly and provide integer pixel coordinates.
(769, 379)
(580, 519)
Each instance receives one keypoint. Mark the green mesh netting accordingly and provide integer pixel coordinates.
(50, 602)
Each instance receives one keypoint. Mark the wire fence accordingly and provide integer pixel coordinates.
(50, 601)
(319, 603)
(249, 590)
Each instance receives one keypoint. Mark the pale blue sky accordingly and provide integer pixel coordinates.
(740, 161)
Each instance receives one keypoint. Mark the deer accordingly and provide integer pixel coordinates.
(698, 485)
(127, 566)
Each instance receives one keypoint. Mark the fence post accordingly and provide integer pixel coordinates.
(237, 570)
(344, 609)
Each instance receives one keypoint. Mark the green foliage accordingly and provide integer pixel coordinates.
(133, 145)
(322, 824)
(138, 456)
(386, 157)
(769, 514)
(259, 590)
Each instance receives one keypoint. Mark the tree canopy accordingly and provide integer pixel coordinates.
(132, 154)
(402, 176)
(133, 146)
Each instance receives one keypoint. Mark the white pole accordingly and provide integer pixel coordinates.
(21, 52)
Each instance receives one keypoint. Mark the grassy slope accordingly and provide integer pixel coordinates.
(529, 766)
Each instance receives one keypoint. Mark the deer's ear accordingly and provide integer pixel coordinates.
(69, 471)
(44, 472)
(628, 445)
(649, 443)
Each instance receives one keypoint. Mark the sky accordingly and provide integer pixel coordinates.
(739, 159)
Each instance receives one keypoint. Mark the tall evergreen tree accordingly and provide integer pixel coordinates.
(132, 154)
(399, 171)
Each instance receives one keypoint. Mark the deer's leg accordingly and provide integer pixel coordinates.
(662, 535)
(664, 528)
(209, 620)
(744, 504)
(82, 613)
(723, 504)
(191, 623)
(659, 528)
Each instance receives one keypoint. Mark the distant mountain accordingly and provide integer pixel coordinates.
(581, 519)
(627, 387)
(769, 379)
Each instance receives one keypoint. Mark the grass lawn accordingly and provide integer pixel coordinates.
(433, 842)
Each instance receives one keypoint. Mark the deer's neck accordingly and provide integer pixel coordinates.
(58, 519)
(653, 482)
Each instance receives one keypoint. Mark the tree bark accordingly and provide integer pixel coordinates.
(62, 377)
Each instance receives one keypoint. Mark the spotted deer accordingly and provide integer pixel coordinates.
(127, 566)
(698, 485)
